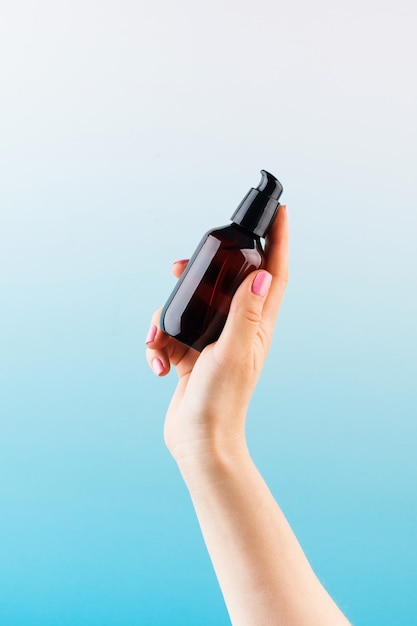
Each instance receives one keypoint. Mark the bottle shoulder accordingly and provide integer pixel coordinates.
(233, 235)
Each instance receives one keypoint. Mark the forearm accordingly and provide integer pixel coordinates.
(264, 575)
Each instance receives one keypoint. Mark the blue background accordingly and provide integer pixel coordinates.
(127, 129)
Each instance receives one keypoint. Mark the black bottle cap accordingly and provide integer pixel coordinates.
(259, 207)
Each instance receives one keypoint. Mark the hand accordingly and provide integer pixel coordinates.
(207, 412)
(262, 571)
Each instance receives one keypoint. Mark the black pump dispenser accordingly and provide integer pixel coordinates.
(196, 311)
(258, 208)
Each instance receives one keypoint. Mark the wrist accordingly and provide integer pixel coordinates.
(205, 462)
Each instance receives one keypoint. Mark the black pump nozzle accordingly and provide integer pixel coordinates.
(258, 208)
(270, 185)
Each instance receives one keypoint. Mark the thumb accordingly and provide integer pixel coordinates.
(245, 315)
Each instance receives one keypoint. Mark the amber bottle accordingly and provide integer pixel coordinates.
(196, 311)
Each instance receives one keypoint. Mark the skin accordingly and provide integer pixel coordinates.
(264, 575)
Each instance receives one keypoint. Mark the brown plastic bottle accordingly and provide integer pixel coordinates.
(196, 311)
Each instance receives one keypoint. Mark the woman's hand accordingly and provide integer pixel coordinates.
(207, 412)
(263, 573)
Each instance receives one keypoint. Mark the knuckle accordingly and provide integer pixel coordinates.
(253, 315)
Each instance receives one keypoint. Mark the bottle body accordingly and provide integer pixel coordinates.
(197, 309)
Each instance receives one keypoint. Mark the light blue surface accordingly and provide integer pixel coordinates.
(128, 129)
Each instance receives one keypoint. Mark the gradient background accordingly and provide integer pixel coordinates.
(128, 129)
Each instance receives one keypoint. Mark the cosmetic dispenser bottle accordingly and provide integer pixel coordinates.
(196, 311)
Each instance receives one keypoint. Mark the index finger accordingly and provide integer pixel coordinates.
(276, 251)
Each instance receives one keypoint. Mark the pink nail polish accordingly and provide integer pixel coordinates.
(181, 261)
(261, 284)
(151, 334)
(157, 366)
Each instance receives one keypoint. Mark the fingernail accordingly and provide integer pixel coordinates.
(157, 366)
(151, 334)
(181, 261)
(261, 284)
